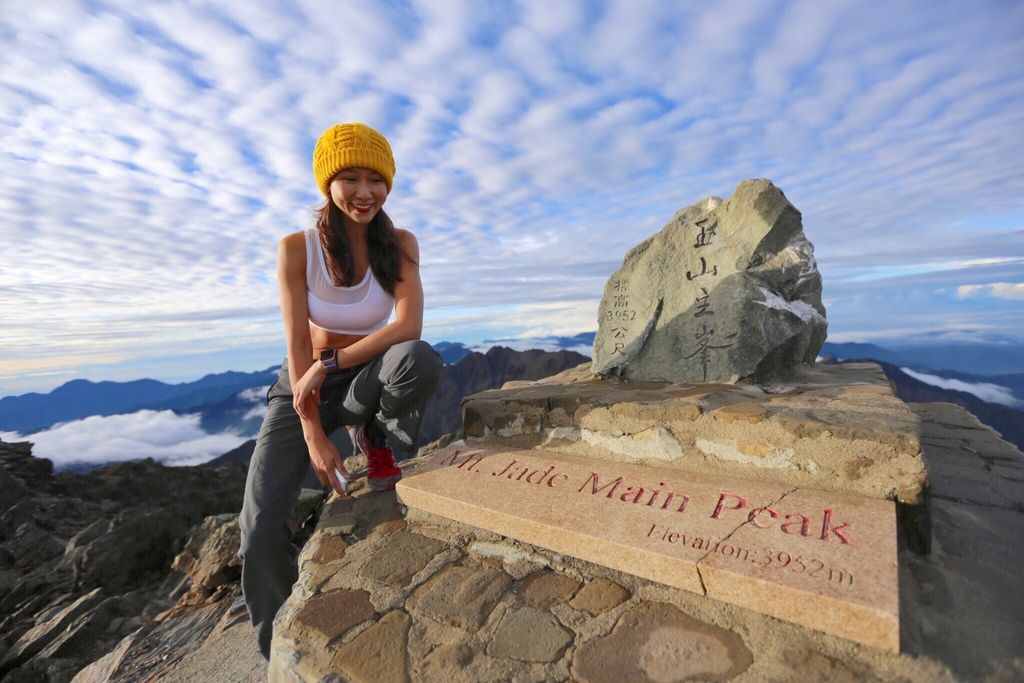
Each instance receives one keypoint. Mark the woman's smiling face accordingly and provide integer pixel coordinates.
(359, 193)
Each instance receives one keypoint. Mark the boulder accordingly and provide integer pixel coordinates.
(133, 545)
(727, 290)
(210, 557)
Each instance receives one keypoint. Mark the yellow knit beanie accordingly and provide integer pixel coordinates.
(351, 145)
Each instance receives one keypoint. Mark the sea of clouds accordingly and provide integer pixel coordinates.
(165, 436)
(993, 393)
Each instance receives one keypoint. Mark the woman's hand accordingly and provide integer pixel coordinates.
(324, 457)
(306, 392)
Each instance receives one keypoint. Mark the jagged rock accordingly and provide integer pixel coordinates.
(210, 557)
(45, 631)
(31, 546)
(135, 544)
(14, 489)
(725, 291)
(19, 513)
(18, 461)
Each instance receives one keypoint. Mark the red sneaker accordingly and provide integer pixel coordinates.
(382, 471)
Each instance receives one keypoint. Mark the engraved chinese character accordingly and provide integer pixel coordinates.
(703, 304)
(704, 347)
(621, 301)
(619, 332)
(706, 233)
(619, 285)
(703, 270)
(619, 346)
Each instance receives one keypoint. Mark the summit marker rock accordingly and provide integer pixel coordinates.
(727, 290)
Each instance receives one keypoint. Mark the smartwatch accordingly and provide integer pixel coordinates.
(329, 359)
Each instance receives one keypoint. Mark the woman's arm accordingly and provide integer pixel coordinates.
(291, 277)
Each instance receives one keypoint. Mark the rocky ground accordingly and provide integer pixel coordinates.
(132, 558)
(84, 588)
(387, 596)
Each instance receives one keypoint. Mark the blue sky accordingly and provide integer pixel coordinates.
(153, 154)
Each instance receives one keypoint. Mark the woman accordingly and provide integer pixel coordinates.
(339, 282)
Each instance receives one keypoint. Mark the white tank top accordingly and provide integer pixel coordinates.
(359, 309)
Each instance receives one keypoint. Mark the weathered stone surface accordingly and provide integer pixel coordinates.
(836, 427)
(531, 635)
(326, 617)
(962, 612)
(824, 560)
(462, 596)
(46, 630)
(655, 641)
(210, 556)
(726, 290)
(599, 596)
(547, 588)
(329, 549)
(447, 662)
(31, 546)
(401, 557)
(131, 545)
(379, 653)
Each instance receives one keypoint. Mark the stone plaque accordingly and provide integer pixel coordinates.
(821, 559)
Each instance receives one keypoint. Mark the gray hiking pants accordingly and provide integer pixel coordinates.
(392, 389)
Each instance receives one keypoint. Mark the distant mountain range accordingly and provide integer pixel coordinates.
(975, 359)
(81, 398)
(986, 379)
(1009, 422)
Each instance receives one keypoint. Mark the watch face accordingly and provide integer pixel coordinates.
(327, 355)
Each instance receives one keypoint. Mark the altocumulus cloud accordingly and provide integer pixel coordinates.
(154, 153)
(162, 435)
(997, 290)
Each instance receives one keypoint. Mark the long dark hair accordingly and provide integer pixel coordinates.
(381, 244)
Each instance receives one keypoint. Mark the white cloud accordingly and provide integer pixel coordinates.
(993, 393)
(162, 435)
(258, 397)
(1012, 291)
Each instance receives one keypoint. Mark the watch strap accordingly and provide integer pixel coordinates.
(329, 359)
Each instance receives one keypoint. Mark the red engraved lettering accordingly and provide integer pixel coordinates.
(546, 472)
(752, 517)
(507, 468)
(551, 479)
(450, 460)
(628, 494)
(741, 502)
(805, 525)
(827, 528)
(471, 459)
(593, 480)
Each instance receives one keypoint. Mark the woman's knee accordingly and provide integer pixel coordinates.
(415, 357)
